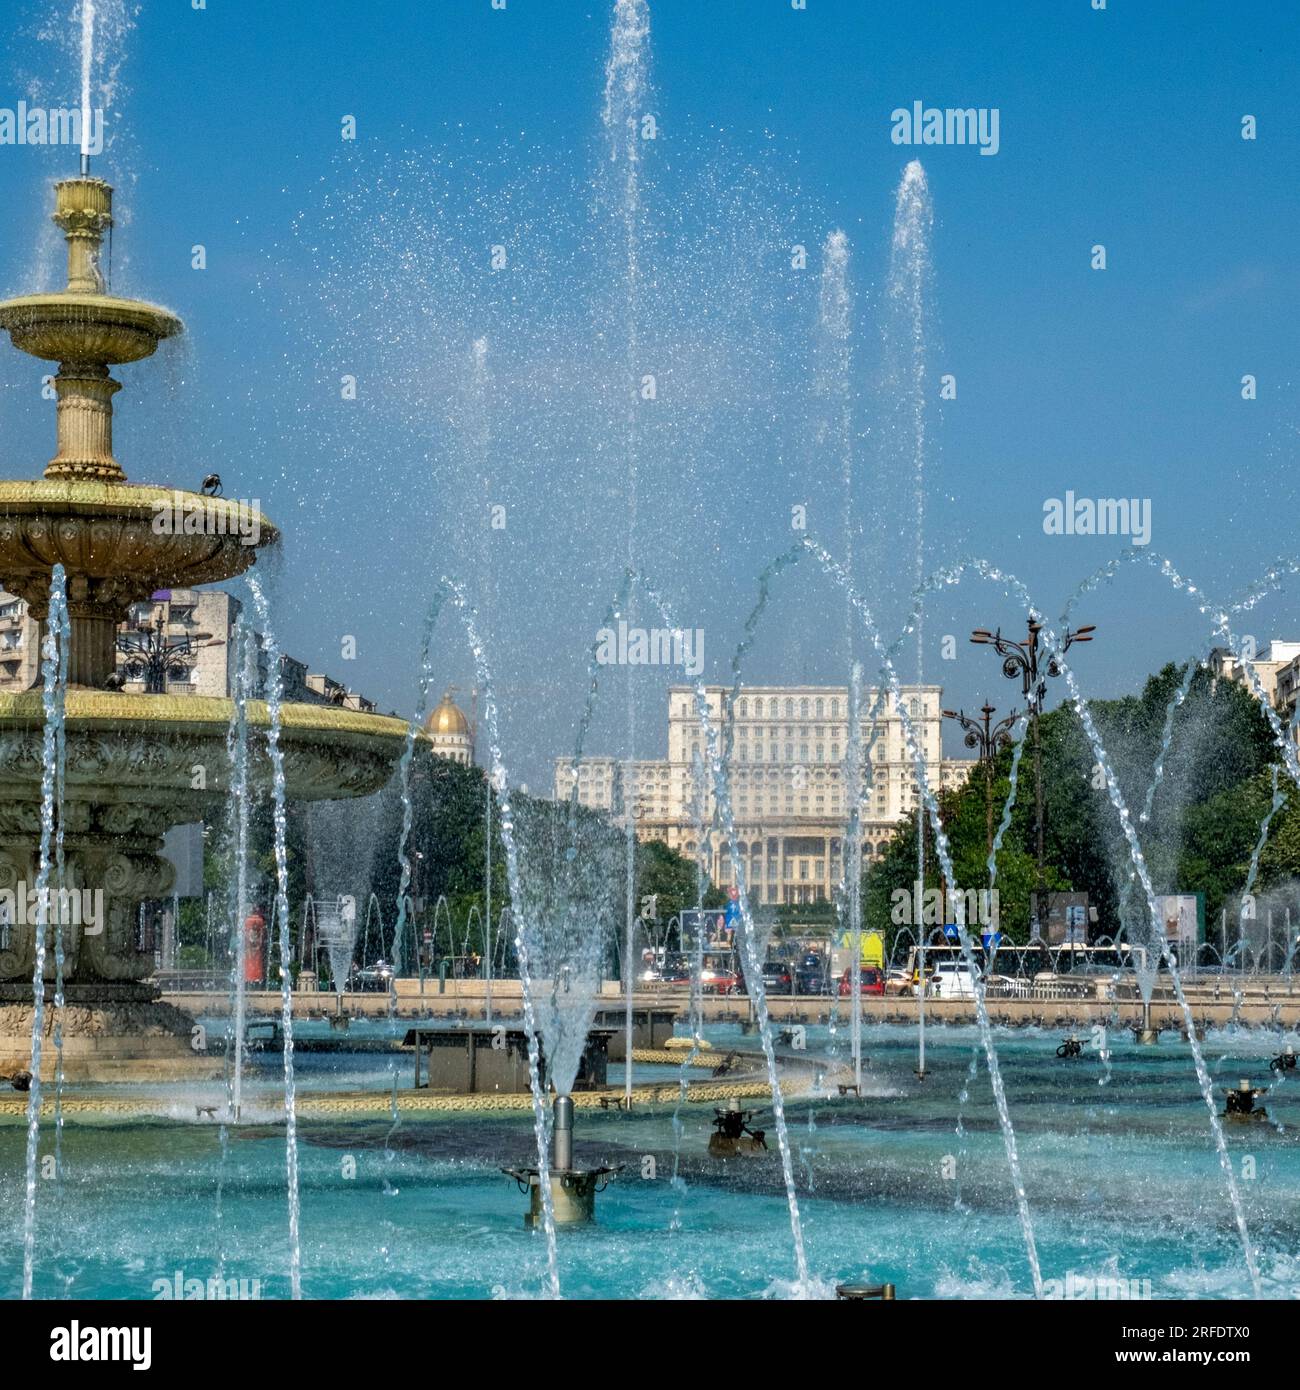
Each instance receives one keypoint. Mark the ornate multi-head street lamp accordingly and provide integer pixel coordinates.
(1024, 661)
(989, 739)
(152, 656)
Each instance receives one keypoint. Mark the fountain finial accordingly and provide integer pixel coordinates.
(83, 210)
(85, 330)
(117, 545)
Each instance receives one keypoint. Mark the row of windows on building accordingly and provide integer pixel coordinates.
(779, 783)
(808, 752)
(770, 707)
(795, 865)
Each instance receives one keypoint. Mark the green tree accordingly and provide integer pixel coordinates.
(672, 880)
(1204, 817)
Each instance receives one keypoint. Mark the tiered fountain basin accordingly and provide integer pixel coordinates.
(112, 531)
(118, 543)
(64, 327)
(136, 766)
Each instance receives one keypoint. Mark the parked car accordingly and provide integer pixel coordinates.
(676, 969)
(812, 974)
(378, 976)
(665, 968)
(777, 977)
(873, 981)
(953, 979)
(898, 982)
(721, 974)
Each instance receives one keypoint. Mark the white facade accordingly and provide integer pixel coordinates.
(787, 782)
(1275, 657)
(1286, 693)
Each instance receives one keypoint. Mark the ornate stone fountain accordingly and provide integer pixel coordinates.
(136, 764)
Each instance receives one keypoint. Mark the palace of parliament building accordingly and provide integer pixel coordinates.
(787, 782)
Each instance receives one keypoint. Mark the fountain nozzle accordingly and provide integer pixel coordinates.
(1241, 1102)
(573, 1190)
(562, 1134)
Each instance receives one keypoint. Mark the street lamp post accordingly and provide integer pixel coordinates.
(989, 739)
(152, 656)
(1024, 661)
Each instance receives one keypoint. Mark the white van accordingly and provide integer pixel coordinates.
(952, 979)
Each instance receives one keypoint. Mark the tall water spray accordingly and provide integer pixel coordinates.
(909, 271)
(832, 386)
(851, 859)
(243, 642)
(702, 825)
(627, 83)
(274, 701)
(87, 63)
(497, 772)
(481, 419)
(53, 693)
(916, 756)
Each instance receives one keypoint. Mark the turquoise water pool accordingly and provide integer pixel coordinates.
(908, 1185)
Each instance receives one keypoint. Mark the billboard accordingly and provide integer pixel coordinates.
(706, 926)
(1182, 919)
(1061, 919)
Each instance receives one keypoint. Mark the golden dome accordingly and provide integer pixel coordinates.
(447, 719)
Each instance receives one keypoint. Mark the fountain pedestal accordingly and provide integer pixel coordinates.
(1144, 1032)
(136, 765)
(573, 1196)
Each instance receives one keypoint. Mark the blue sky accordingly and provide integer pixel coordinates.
(1119, 127)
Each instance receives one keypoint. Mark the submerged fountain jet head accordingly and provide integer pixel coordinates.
(860, 1293)
(573, 1190)
(1241, 1102)
(562, 1134)
(1146, 1032)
